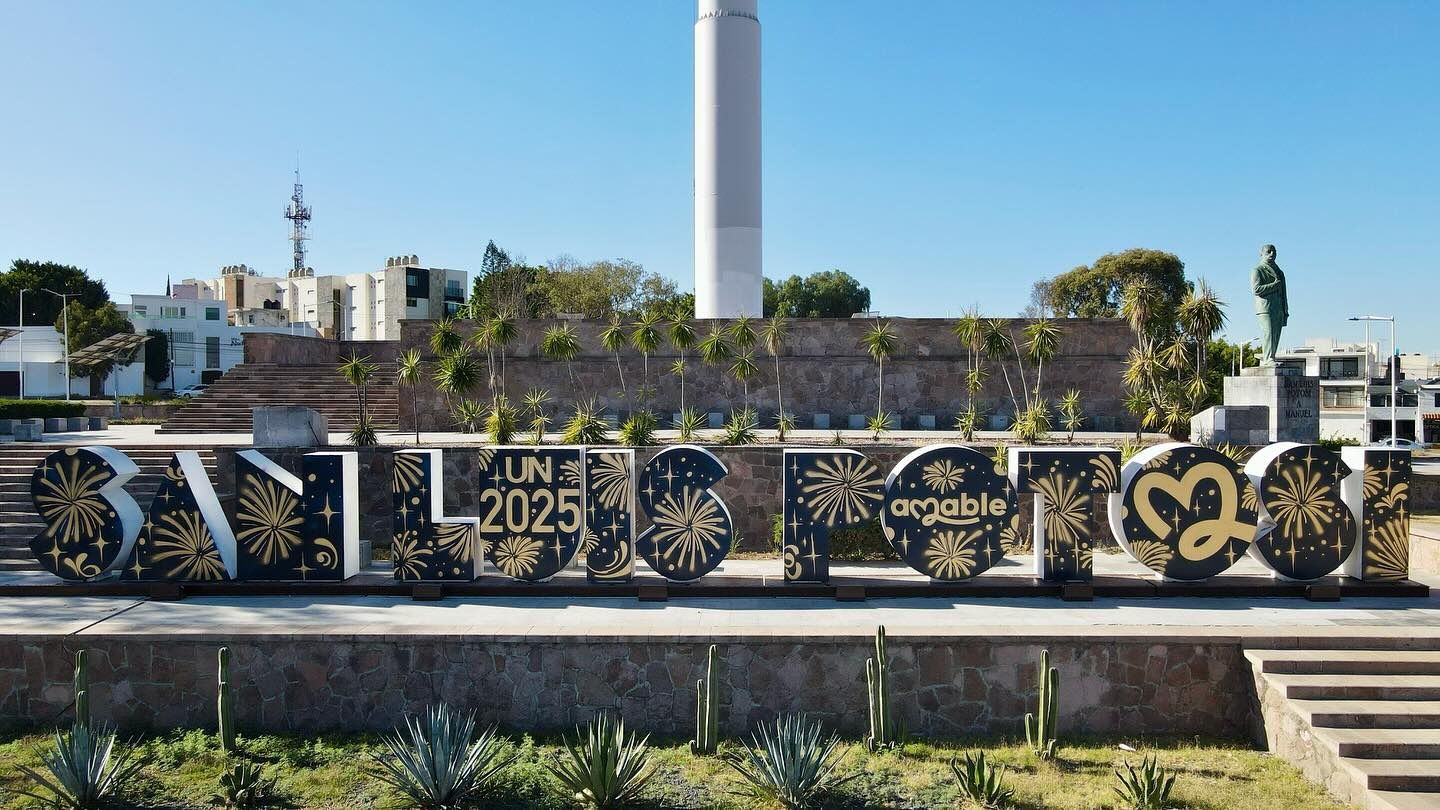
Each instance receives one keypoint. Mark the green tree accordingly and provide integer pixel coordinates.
(561, 343)
(773, 334)
(41, 307)
(613, 340)
(880, 341)
(682, 336)
(157, 356)
(646, 339)
(409, 371)
(827, 294)
(600, 289)
(89, 326)
(1097, 290)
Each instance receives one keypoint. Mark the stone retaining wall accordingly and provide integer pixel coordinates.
(941, 687)
(751, 490)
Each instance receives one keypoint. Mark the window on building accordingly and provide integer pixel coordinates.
(182, 352)
(212, 313)
(1341, 398)
(138, 310)
(1437, 400)
(411, 302)
(212, 352)
(1339, 368)
(452, 307)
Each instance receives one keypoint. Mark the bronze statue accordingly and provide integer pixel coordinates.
(1272, 306)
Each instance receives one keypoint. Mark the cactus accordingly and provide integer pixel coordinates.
(707, 709)
(82, 688)
(877, 683)
(225, 703)
(1040, 724)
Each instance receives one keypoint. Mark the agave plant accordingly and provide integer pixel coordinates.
(436, 762)
(1147, 787)
(983, 783)
(741, 428)
(244, 786)
(586, 425)
(86, 769)
(605, 766)
(790, 762)
(639, 429)
(690, 422)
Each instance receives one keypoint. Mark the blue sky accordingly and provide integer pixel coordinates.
(945, 153)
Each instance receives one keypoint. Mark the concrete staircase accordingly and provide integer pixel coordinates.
(1363, 722)
(225, 406)
(18, 520)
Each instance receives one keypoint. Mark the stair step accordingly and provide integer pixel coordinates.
(1346, 662)
(1370, 713)
(1413, 775)
(1328, 686)
(1385, 743)
(1398, 800)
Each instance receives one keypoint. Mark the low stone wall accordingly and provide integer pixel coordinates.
(752, 490)
(155, 413)
(298, 350)
(1425, 493)
(941, 687)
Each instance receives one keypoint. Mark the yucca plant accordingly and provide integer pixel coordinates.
(784, 424)
(561, 343)
(982, 782)
(468, 414)
(534, 403)
(359, 371)
(244, 786)
(457, 373)
(436, 762)
(613, 340)
(605, 766)
(880, 342)
(501, 421)
(744, 369)
(1071, 415)
(773, 334)
(1147, 787)
(586, 425)
(682, 336)
(363, 434)
(878, 424)
(1000, 457)
(689, 423)
(86, 769)
(790, 762)
(639, 429)
(965, 423)
(646, 339)
(408, 371)
(741, 428)
(444, 339)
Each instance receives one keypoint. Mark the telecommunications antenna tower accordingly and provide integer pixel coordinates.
(299, 215)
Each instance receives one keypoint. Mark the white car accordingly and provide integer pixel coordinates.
(191, 391)
(1401, 444)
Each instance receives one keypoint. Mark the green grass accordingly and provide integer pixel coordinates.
(330, 772)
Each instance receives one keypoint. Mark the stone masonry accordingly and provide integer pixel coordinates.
(941, 687)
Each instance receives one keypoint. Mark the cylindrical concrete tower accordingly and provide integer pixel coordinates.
(728, 278)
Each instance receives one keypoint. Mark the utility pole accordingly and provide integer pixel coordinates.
(65, 314)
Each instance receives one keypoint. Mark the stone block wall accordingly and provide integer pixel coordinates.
(823, 366)
(942, 687)
(752, 490)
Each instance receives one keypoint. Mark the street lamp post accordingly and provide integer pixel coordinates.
(65, 314)
(1393, 372)
(22, 344)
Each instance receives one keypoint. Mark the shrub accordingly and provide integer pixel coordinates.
(604, 767)
(86, 769)
(1336, 441)
(690, 423)
(501, 421)
(983, 783)
(436, 762)
(790, 762)
(585, 425)
(639, 429)
(40, 409)
(741, 428)
(858, 544)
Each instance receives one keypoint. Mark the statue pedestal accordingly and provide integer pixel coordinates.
(1291, 400)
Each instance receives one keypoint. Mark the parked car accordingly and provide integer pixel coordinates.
(1401, 444)
(191, 391)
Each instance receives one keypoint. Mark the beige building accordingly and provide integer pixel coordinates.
(357, 306)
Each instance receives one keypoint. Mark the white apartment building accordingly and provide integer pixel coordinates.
(202, 340)
(358, 306)
(43, 350)
(1355, 390)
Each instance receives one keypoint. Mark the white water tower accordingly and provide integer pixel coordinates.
(728, 277)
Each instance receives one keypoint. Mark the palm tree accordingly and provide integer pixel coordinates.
(742, 332)
(773, 335)
(880, 342)
(1042, 343)
(358, 371)
(444, 339)
(646, 339)
(715, 348)
(969, 329)
(456, 373)
(503, 331)
(997, 343)
(561, 343)
(1201, 315)
(612, 337)
(745, 369)
(682, 337)
(408, 372)
(481, 339)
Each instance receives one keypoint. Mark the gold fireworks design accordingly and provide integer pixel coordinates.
(687, 528)
(326, 555)
(951, 554)
(409, 555)
(1397, 495)
(268, 518)
(1107, 474)
(409, 471)
(71, 502)
(618, 568)
(1010, 536)
(455, 541)
(1300, 502)
(610, 479)
(81, 566)
(1066, 507)
(844, 491)
(1387, 554)
(183, 540)
(791, 559)
(942, 476)
(1152, 554)
(516, 555)
(589, 541)
(570, 472)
